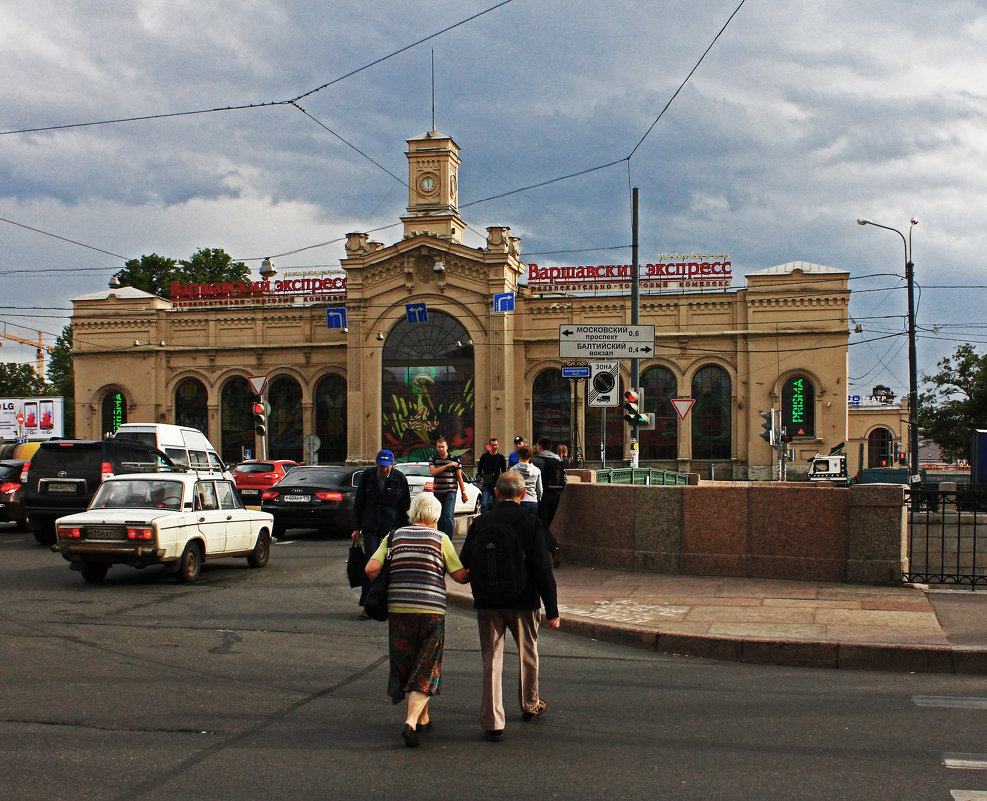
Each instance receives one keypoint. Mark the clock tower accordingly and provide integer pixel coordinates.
(433, 187)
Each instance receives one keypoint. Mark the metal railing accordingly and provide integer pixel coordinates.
(641, 476)
(947, 535)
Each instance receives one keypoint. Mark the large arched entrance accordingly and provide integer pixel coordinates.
(284, 423)
(191, 405)
(711, 415)
(427, 388)
(236, 421)
(880, 451)
(330, 419)
(550, 407)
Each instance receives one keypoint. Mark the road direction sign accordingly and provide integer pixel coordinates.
(503, 302)
(606, 341)
(417, 312)
(336, 318)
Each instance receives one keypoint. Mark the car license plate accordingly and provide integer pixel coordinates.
(297, 498)
(103, 533)
(56, 487)
(249, 492)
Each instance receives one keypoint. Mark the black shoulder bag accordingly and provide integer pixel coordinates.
(375, 604)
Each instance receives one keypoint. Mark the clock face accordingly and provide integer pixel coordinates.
(427, 183)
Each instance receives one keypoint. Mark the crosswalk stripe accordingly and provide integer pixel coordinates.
(969, 795)
(950, 702)
(965, 761)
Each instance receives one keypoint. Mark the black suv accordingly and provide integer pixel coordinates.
(65, 474)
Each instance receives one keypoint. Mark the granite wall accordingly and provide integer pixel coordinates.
(757, 530)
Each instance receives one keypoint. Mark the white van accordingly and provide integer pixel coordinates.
(184, 445)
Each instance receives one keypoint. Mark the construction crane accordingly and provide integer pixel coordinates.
(39, 364)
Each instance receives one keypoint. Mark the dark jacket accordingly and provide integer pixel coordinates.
(490, 466)
(541, 581)
(374, 510)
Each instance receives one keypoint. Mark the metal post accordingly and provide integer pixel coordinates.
(912, 367)
(635, 314)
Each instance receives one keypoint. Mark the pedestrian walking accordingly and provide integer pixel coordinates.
(420, 556)
(553, 480)
(532, 479)
(491, 465)
(513, 458)
(381, 504)
(447, 476)
(511, 577)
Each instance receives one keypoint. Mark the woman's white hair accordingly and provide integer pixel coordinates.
(425, 508)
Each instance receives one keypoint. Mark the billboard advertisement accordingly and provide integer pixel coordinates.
(31, 418)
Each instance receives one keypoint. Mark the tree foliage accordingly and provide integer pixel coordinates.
(61, 376)
(956, 403)
(154, 273)
(20, 380)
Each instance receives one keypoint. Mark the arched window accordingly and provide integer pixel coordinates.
(798, 408)
(880, 444)
(114, 411)
(284, 423)
(330, 419)
(191, 407)
(592, 425)
(427, 388)
(659, 387)
(711, 414)
(236, 420)
(550, 407)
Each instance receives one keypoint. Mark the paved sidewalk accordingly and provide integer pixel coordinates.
(766, 621)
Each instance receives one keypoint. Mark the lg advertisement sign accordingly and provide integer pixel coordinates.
(31, 418)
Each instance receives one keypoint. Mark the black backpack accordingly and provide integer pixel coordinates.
(498, 572)
(552, 472)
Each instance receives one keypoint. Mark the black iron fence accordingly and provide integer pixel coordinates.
(947, 535)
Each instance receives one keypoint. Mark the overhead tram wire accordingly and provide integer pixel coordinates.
(245, 106)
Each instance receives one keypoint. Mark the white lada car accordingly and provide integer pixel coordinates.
(176, 519)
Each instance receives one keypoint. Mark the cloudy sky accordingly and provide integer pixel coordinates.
(803, 116)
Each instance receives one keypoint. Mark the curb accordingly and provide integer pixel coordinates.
(967, 660)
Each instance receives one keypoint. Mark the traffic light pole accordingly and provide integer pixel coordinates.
(635, 319)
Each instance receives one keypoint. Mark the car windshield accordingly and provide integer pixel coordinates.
(138, 494)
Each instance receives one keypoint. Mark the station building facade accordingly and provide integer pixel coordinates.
(416, 342)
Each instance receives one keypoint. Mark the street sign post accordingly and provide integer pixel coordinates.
(606, 341)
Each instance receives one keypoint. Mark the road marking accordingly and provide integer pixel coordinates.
(969, 795)
(965, 761)
(950, 702)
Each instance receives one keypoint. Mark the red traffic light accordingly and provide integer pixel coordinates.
(258, 408)
(630, 396)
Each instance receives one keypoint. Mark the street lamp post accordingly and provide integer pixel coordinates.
(912, 361)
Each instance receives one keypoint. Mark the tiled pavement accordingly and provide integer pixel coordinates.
(771, 621)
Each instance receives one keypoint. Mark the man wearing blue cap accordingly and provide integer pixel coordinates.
(380, 506)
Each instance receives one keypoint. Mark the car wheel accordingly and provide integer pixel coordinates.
(189, 564)
(94, 571)
(261, 553)
(46, 534)
(22, 523)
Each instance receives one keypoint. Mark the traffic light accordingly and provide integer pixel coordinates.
(768, 435)
(260, 418)
(785, 436)
(632, 408)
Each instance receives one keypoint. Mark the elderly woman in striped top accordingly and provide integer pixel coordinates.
(416, 603)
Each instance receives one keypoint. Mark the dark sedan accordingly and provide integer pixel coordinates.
(11, 490)
(313, 497)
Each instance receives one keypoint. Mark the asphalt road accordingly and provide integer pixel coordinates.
(261, 684)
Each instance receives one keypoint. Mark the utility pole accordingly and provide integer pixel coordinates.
(635, 318)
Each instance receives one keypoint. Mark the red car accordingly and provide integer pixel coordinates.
(255, 476)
